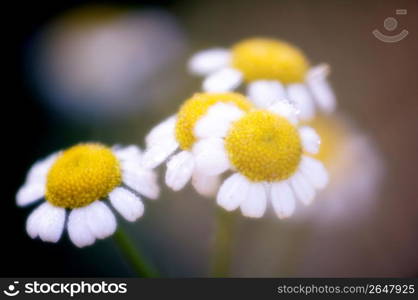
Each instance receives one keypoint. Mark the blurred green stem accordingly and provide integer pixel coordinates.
(222, 250)
(295, 249)
(132, 255)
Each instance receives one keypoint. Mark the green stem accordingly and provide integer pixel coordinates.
(132, 254)
(222, 250)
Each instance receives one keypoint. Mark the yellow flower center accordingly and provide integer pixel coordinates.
(195, 107)
(264, 146)
(82, 174)
(269, 59)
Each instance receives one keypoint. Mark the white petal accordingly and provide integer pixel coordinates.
(179, 170)
(208, 61)
(283, 199)
(161, 143)
(52, 224)
(126, 203)
(255, 201)
(285, 109)
(78, 230)
(320, 88)
(163, 130)
(144, 181)
(224, 80)
(130, 154)
(32, 223)
(205, 185)
(30, 193)
(314, 171)
(265, 92)
(299, 95)
(233, 191)
(302, 188)
(217, 120)
(210, 156)
(310, 139)
(156, 154)
(100, 219)
(47, 222)
(39, 170)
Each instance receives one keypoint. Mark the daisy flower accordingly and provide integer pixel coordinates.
(267, 151)
(356, 169)
(273, 70)
(78, 181)
(178, 132)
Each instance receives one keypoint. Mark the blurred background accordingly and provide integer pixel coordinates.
(109, 72)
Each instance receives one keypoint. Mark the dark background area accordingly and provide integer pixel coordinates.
(31, 132)
(376, 84)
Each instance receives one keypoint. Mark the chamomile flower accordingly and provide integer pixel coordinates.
(178, 131)
(267, 151)
(78, 180)
(356, 169)
(273, 69)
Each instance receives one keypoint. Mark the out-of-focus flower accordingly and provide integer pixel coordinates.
(78, 179)
(266, 150)
(105, 61)
(356, 169)
(179, 132)
(273, 69)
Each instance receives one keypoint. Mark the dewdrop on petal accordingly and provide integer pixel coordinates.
(179, 131)
(81, 180)
(269, 155)
(273, 70)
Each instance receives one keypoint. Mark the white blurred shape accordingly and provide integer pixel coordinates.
(100, 62)
(356, 169)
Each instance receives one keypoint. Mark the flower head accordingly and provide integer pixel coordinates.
(273, 70)
(356, 169)
(179, 131)
(264, 146)
(267, 151)
(260, 59)
(78, 180)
